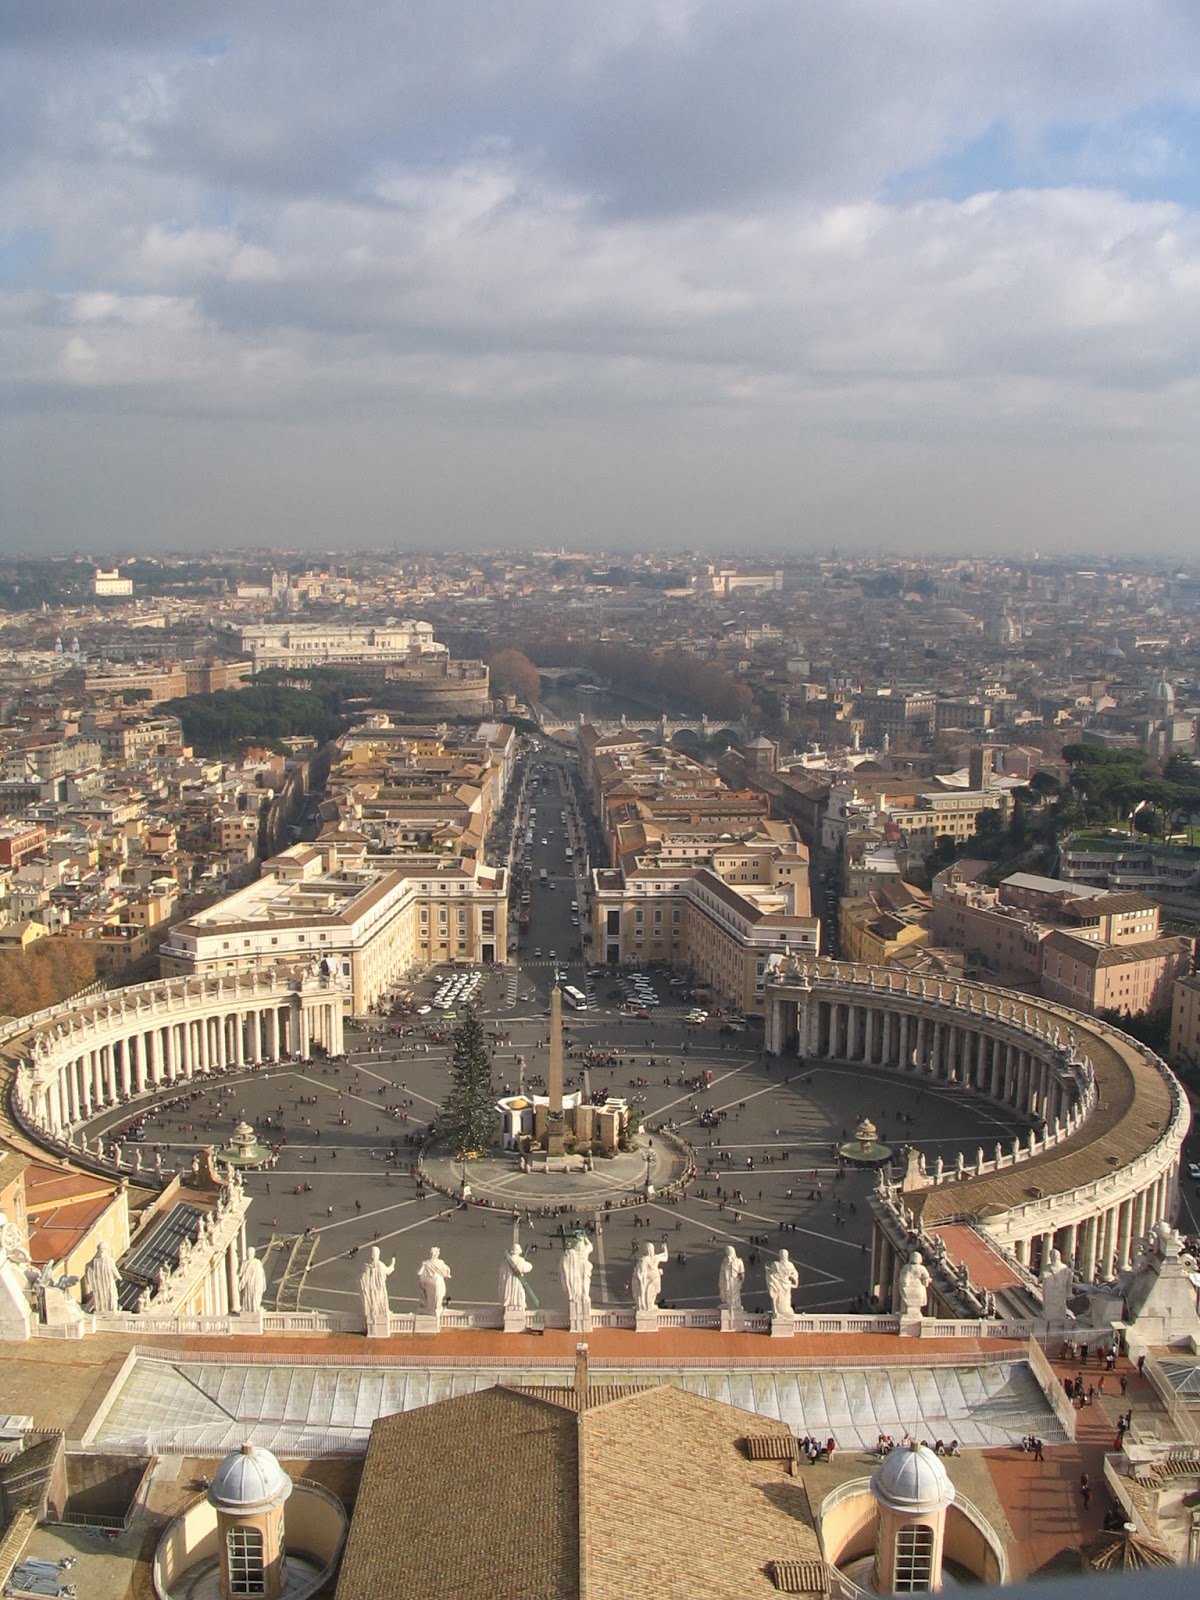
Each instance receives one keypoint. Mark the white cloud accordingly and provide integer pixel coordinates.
(646, 219)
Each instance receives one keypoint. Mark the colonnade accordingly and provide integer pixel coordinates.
(956, 1049)
(1097, 1185)
(148, 1039)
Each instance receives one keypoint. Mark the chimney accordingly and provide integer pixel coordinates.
(581, 1376)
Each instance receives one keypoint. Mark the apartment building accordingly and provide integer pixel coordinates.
(1100, 952)
(1184, 1048)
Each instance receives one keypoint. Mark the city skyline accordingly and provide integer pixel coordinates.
(665, 276)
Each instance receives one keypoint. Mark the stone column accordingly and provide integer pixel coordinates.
(1124, 1232)
(273, 1033)
(1139, 1214)
(1070, 1244)
(1087, 1251)
(233, 1288)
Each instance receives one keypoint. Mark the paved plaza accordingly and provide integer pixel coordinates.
(763, 1131)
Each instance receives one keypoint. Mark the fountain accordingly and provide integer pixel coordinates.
(865, 1150)
(244, 1150)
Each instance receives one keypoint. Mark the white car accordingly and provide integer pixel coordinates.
(1194, 1171)
(423, 1011)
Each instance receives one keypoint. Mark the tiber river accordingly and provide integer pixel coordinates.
(563, 701)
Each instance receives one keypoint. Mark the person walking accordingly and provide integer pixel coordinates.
(1085, 1489)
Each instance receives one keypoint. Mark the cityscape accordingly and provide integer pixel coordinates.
(503, 991)
(599, 799)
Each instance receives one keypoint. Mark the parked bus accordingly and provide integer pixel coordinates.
(542, 875)
(575, 998)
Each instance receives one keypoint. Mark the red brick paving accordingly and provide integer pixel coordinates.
(1042, 1499)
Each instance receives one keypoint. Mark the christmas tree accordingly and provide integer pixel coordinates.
(467, 1120)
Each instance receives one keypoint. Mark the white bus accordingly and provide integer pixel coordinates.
(575, 998)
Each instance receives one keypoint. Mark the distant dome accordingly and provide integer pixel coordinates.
(912, 1478)
(1162, 693)
(248, 1479)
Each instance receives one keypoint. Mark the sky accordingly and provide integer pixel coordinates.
(632, 275)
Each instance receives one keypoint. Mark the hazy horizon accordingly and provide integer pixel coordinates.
(665, 275)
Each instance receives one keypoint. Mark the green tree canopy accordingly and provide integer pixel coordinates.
(467, 1120)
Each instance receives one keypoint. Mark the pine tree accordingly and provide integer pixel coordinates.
(467, 1120)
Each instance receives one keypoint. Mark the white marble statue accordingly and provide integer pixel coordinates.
(647, 1276)
(914, 1286)
(730, 1280)
(1057, 1281)
(372, 1285)
(252, 1281)
(575, 1272)
(102, 1279)
(514, 1269)
(782, 1278)
(432, 1278)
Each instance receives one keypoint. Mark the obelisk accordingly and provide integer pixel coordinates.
(555, 1120)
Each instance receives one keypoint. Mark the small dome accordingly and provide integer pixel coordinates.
(248, 1480)
(1162, 693)
(912, 1478)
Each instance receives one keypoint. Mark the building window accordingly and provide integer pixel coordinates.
(914, 1560)
(247, 1573)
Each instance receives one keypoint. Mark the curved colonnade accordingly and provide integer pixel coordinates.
(1097, 1170)
(1108, 1118)
(83, 1057)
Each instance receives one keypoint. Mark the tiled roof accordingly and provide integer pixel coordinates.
(673, 1508)
(522, 1495)
(471, 1499)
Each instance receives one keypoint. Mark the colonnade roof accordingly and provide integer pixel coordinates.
(1134, 1099)
(1133, 1110)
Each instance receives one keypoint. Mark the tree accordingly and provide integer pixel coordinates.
(512, 672)
(467, 1119)
(49, 971)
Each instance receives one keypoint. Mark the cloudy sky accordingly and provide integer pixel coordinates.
(631, 274)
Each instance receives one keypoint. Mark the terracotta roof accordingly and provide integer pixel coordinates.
(522, 1495)
(474, 1497)
(673, 1508)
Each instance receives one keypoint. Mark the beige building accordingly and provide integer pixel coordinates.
(1131, 978)
(689, 916)
(329, 905)
(877, 928)
(952, 814)
(1097, 952)
(1184, 1047)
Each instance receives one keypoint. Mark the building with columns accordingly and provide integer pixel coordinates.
(85, 1056)
(1099, 1165)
